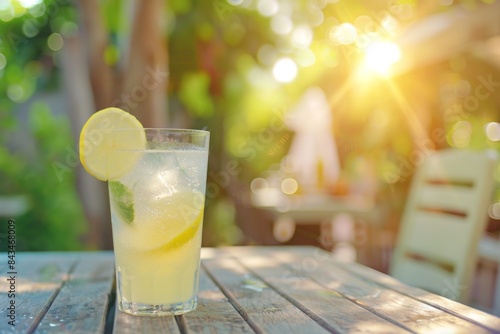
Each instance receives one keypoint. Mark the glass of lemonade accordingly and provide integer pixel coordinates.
(157, 214)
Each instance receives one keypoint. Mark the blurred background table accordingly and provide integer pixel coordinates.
(290, 211)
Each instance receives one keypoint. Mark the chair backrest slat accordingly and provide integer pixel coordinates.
(444, 218)
(446, 199)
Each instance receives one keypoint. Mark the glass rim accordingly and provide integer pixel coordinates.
(171, 130)
(200, 138)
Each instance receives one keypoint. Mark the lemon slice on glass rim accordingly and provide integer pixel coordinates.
(101, 142)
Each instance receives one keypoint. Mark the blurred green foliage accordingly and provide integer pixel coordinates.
(54, 220)
(31, 145)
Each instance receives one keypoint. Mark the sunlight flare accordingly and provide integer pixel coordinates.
(380, 56)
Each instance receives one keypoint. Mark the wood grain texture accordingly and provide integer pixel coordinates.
(265, 310)
(468, 313)
(328, 307)
(39, 278)
(401, 308)
(214, 314)
(82, 303)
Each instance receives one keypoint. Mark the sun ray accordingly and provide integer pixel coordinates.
(418, 132)
(341, 92)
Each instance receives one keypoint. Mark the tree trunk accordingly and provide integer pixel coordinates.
(101, 75)
(145, 82)
(92, 192)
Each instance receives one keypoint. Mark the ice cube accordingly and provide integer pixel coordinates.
(156, 175)
(160, 173)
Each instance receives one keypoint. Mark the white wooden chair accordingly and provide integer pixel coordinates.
(444, 219)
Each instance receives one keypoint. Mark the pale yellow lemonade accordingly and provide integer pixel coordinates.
(156, 180)
(157, 215)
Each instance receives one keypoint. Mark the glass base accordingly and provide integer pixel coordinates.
(158, 310)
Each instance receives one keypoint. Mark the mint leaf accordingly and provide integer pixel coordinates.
(122, 201)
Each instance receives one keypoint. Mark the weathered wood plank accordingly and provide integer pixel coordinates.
(383, 301)
(337, 313)
(82, 303)
(38, 279)
(264, 309)
(452, 307)
(445, 304)
(214, 313)
(130, 324)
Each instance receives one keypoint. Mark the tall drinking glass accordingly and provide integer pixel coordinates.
(157, 216)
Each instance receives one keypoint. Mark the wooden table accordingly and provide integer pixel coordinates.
(242, 290)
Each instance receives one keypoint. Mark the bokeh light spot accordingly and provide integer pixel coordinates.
(69, 29)
(285, 70)
(267, 7)
(289, 186)
(15, 92)
(38, 10)
(344, 34)
(316, 17)
(281, 24)
(6, 14)
(30, 29)
(258, 184)
(494, 211)
(29, 3)
(5, 5)
(55, 42)
(493, 131)
(302, 36)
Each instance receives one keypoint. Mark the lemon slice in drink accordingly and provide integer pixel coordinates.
(183, 237)
(165, 224)
(100, 139)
